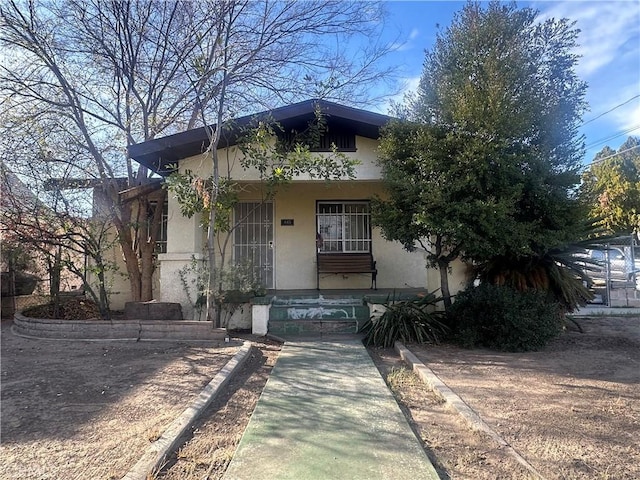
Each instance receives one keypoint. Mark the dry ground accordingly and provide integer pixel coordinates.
(80, 410)
(572, 410)
(208, 452)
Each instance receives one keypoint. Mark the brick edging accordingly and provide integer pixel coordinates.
(136, 330)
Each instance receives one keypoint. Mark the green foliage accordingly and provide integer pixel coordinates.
(413, 321)
(611, 187)
(557, 274)
(502, 318)
(242, 278)
(194, 197)
(280, 156)
(236, 283)
(486, 154)
(562, 272)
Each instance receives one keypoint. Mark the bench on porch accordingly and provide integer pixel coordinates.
(345, 263)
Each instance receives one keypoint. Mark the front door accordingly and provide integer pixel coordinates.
(253, 239)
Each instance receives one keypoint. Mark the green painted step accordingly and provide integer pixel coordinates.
(311, 314)
(308, 327)
(319, 312)
(301, 307)
(318, 299)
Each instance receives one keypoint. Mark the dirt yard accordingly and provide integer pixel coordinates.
(80, 410)
(88, 409)
(573, 410)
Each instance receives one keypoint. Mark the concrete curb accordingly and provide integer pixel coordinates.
(453, 400)
(158, 452)
(594, 311)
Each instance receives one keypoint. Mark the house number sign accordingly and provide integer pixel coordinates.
(286, 222)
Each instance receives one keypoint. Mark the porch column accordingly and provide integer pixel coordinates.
(185, 242)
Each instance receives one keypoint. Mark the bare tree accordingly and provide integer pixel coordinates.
(111, 74)
(57, 229)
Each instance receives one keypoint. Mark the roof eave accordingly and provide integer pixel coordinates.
(160, 155)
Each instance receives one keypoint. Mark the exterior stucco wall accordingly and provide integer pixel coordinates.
(229, 158)
(295, 246)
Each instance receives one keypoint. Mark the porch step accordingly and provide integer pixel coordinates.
(312, 327)
(309, 315)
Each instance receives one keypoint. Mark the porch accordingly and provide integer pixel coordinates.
(321, 313)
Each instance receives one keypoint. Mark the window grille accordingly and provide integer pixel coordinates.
(344, 227)
(161, 239)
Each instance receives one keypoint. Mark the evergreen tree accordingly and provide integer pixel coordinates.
(484, 156)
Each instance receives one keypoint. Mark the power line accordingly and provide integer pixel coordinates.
(612, 109)
(605, 140)
(612, 155)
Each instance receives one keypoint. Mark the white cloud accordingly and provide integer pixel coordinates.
(405, 45)
(409, 85)
(608, 28)
(628, 116)
(609, 42)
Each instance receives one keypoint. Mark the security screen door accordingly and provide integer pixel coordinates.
(253, 239)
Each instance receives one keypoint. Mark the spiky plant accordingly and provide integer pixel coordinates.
(562, 272)
(414, 321)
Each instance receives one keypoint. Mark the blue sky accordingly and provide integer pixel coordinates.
(609, 47)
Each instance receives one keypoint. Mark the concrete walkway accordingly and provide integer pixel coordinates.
(326, 413)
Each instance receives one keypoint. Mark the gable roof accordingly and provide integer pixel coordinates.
(160, 153)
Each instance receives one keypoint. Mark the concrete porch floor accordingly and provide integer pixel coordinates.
(381, 293)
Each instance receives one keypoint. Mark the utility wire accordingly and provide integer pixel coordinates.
(612, 109)
(612, 155)
(605, 140)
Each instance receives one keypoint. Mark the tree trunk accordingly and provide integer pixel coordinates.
(213, 311)
(147, 264)
(147, 242)
(54, 280)
(105, 311)
(443, 267)
(133, 268)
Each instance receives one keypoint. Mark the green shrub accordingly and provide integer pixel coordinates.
(412, 321)
(502, 318)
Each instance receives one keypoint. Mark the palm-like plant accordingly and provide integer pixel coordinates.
(415, 320)
(562, 272)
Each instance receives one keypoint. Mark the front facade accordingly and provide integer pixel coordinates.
(283, 238)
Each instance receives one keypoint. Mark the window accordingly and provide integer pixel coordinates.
(344, 141)
(161, 240)
(344, 227)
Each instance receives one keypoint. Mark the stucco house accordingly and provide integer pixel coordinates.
(291, 238)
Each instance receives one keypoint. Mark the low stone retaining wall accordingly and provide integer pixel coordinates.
(116, 329)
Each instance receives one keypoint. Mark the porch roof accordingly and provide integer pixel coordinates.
(160, 153)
